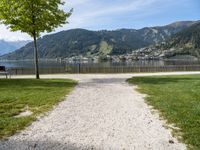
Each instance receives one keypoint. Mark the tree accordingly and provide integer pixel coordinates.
(33, 17)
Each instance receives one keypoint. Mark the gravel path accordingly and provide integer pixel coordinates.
(103, 112)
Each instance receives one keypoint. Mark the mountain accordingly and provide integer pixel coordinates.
(184, 43)
(98, 43)
(10, 46)
(182, 24)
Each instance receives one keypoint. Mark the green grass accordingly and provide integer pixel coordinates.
(38, 95)
(178, 100)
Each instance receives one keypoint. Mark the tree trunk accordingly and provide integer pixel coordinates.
(36, 58)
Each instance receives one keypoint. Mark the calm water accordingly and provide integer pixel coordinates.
(56, 64)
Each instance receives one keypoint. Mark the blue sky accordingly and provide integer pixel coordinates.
(116, 14)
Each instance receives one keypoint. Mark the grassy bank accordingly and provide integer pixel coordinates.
(37, 96)
(178, 100)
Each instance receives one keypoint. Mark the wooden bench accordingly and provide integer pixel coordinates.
(3, 71)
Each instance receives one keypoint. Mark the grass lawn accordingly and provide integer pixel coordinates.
(38, 96)
(178, 100)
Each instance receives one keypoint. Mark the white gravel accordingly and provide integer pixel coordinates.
(103, 112)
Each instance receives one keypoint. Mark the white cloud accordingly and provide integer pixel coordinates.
(119, 8)
(94, 14)
(6, 34)
(74, 3)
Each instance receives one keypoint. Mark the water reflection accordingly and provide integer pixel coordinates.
(57, 64)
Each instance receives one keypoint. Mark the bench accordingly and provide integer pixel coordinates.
(3, 71)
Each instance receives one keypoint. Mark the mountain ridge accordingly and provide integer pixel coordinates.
(10, 46)
(88, 43)
(185, 43)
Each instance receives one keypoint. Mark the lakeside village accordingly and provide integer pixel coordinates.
(148, 53)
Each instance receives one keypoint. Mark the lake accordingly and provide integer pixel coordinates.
(51, 67)
(58, 64)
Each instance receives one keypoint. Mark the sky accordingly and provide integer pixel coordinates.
(117, 14)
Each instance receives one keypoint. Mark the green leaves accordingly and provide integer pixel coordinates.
(32, 16)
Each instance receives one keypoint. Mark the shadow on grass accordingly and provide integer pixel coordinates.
(34, 84)
(160, 80)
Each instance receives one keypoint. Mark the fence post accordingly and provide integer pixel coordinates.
(79, 68)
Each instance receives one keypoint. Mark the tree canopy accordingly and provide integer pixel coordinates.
(32, 16)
